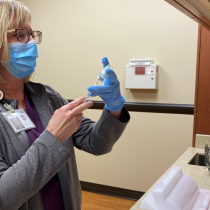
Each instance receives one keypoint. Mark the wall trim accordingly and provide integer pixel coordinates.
(187, 109)
(111, 191)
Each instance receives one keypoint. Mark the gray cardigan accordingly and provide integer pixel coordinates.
(26, 168)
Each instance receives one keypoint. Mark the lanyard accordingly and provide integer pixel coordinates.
(2, 100)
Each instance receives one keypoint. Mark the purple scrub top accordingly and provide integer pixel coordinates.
(51, 193)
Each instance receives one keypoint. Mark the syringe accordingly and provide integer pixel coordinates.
(101, 77)
(89, 93)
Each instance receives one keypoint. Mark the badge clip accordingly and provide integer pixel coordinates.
(9, 108)
(2, 100)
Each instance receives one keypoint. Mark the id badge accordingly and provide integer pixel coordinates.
(19, 120)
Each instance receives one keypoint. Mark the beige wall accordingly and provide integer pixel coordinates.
(77, 34)
(149, 146)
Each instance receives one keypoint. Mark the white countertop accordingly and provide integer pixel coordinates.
(198, 173)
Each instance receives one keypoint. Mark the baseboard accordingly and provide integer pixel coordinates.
(111, 191)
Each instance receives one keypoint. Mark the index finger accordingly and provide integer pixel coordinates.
(75, 103)
(101, 89)
(82, 107)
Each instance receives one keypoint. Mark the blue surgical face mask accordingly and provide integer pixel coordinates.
(22, 59)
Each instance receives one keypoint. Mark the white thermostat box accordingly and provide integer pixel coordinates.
(141, 74)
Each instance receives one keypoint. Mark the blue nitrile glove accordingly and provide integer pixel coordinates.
(110, 91)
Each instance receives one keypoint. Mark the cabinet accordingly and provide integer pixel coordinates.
(202, 90)
(198, 10)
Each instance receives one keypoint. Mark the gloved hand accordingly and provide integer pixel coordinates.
(110, 91)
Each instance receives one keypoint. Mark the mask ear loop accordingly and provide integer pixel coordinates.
(2, 66)
(2, 53)
(2, 61)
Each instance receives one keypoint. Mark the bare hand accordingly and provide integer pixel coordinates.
(67, 119)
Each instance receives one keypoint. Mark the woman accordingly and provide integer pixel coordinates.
(37, 166)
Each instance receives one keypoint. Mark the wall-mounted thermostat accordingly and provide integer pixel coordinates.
(141, 74)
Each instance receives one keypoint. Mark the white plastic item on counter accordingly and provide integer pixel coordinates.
(177, 191)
